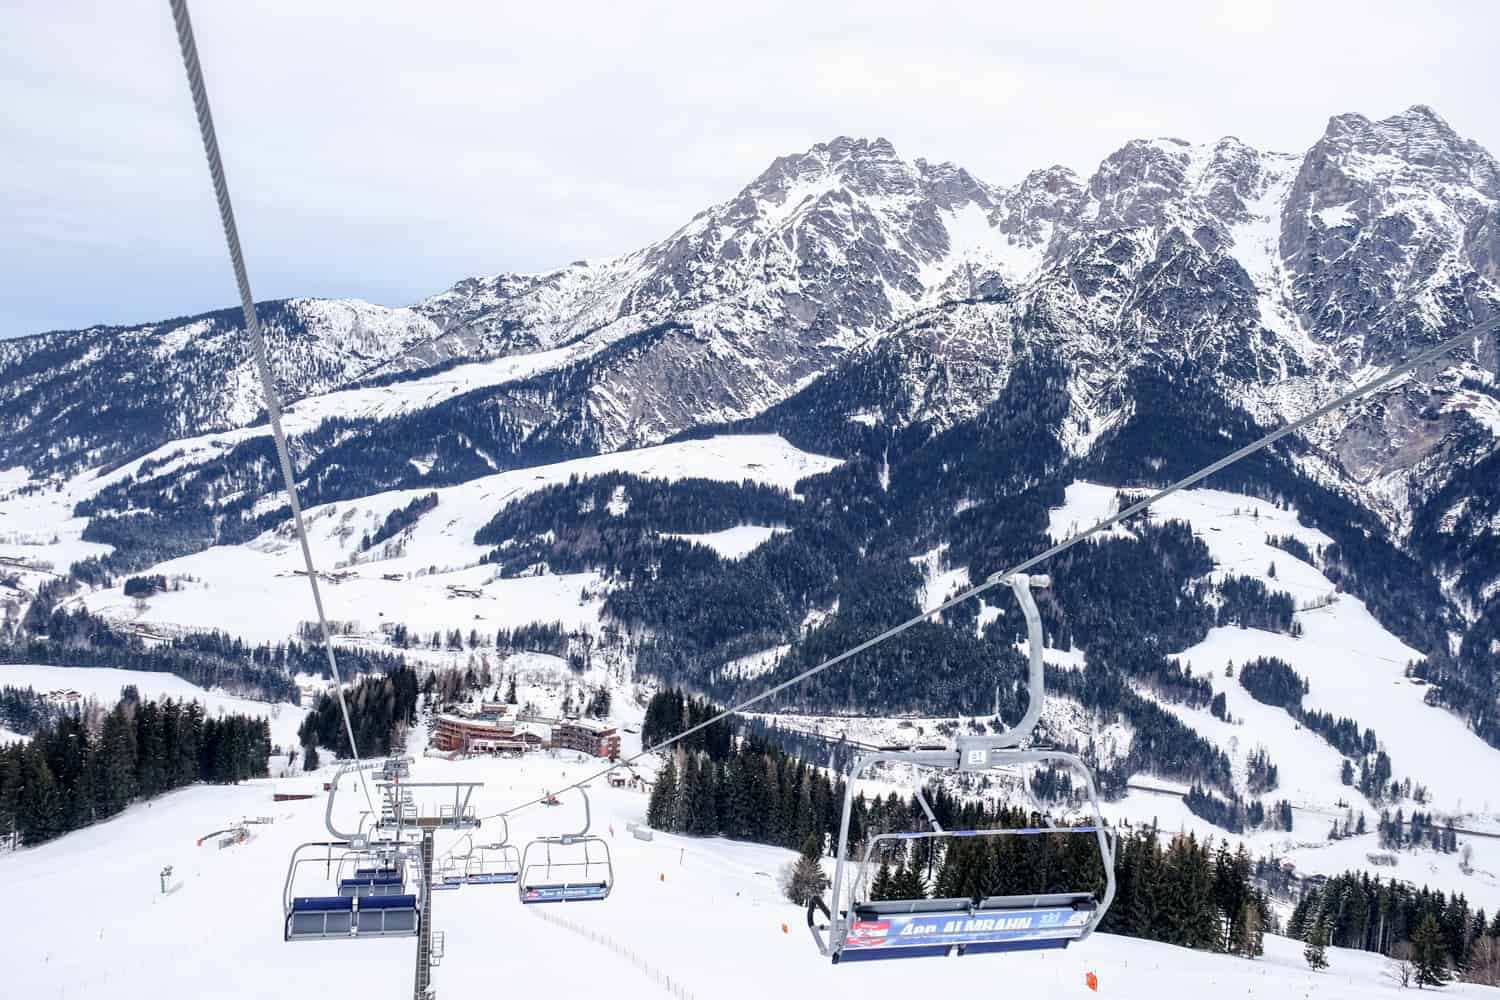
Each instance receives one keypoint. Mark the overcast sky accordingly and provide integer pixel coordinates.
(383, 150)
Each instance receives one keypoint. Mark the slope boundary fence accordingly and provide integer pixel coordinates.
(672, 986)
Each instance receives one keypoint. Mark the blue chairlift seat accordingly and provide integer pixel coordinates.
(371, 885)
(928, 927)
(375, 902)
(386, 916)
(319, 917)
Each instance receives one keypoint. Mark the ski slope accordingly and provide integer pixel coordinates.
(706, 912)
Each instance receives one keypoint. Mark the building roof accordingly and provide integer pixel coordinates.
(535, 728)
(498, 725)
(592, 725)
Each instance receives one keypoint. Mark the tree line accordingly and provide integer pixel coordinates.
(1272, 681)
(89, 764)
(1436, 932)
(378, 706)
(399, 520)
(76, 638)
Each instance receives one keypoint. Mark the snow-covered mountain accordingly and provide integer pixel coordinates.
(87, 397)
(1284, 274)
(864, 306)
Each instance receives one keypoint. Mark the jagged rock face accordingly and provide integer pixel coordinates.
(1388, 234)
(1281, 275)
(90, 396)
(762, 292)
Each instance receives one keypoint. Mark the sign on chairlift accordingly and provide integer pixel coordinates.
(922, 930)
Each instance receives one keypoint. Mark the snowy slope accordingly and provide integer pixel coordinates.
(103, 684)
(255, 590)
(707, 913)
(732, 543)
(1352, 664)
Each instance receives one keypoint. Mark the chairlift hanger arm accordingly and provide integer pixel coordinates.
(1036, 677)
(333, 788)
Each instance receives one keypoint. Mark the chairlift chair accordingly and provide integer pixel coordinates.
(373, 871)
(395, 769)
(544, 880)
(857, 929)
(370, 902)
(449, 876)
(497, 863)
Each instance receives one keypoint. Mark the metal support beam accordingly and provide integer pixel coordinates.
(422, 989)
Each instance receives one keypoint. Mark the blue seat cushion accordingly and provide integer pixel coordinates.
(304, 904)
(388, 903)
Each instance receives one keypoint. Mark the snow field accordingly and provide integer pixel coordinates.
(706, 912)
(250, 590)
(103, 684)
(732, 543)
(1352, 664)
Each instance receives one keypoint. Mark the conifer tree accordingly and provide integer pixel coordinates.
(705, 817)
(881, 888)
(689, 795)
(1249, 936)
(1316, 950)
(662, 809)
(907, 883)
(1429, 954)
(804, 878)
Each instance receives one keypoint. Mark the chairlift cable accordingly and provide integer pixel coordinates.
(258, 346)
(1470, 338)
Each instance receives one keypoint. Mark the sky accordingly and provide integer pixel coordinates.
(384, 150)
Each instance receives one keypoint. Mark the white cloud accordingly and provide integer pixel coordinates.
(386, 150)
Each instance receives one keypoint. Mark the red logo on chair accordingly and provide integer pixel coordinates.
(868, 932)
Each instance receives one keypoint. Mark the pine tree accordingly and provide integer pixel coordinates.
(310, 760)
(1316, 951)
(1305, 910)
(1429, 953)
(38, 809)
(1249, 930)
(661, 811)
(907, 883)
(881, 889)
(689, 796)
(804, 879)
(705, 822)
